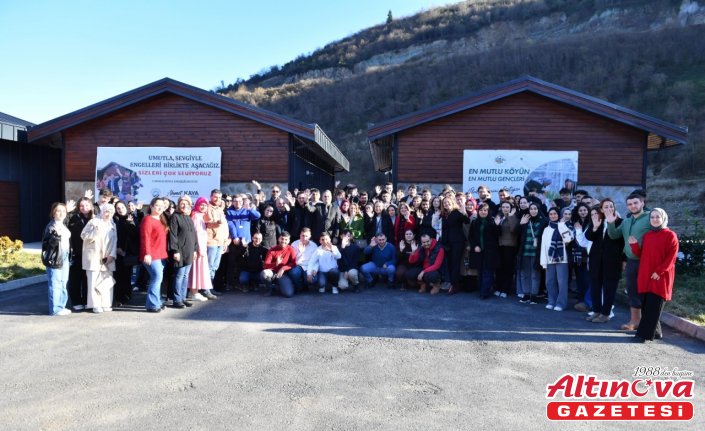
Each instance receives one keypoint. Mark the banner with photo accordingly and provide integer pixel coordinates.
(520, 171)
(141, 173)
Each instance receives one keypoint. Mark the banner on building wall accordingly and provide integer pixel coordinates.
(141, 173)
(520, 171)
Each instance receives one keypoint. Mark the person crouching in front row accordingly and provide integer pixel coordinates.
(426, 261)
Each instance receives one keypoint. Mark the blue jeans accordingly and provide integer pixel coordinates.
(485, 281)
(214, 253)
(370, 268)
(247, 277)
(333, 275)
(154, 286)
(285, 286)
(528, 278)
(631, 273)
(57, 279)
(180, 283)
(297, 275)
(557, 284)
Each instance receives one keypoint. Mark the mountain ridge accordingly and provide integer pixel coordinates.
(648, 56)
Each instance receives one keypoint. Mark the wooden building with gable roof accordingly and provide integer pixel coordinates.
(526, 113)
(256, 144)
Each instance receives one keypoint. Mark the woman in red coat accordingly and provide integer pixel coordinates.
(657, 253)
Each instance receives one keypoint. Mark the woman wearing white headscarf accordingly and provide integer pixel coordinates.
(657, 270)
(99, 252)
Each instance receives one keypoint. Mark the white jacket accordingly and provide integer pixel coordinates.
(323, 260)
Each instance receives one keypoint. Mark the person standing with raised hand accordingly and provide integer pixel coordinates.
(605, 258)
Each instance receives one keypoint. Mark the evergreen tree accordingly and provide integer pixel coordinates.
(389, 17)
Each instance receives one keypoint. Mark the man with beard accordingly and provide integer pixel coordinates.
(636, 225)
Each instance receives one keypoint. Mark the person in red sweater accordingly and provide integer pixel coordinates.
(153, 252)
(657, 271)
(279, 260)
(426, 262)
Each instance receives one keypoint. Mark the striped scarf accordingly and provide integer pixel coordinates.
(556, 249)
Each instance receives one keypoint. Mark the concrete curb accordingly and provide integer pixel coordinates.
(678, 323)
(682, 325)
(22, 282)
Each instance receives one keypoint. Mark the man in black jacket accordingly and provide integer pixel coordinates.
(325, 218)
(300, 215)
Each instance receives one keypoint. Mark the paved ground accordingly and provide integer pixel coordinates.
(376, 360)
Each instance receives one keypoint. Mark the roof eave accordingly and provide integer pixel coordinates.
(600, 107)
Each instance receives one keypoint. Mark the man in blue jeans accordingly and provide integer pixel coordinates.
(383, 261)
(305, 249)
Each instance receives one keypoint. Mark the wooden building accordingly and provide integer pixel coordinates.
(255, 143)
(527, 113)
(29, 181)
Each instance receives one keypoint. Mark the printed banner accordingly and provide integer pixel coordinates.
(141, 173)
(520, 171)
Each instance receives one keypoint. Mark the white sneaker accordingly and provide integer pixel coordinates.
(321, 290)
(502, 295)
(107, 309)
(496, 293)
(549, 307)
(557, 308)
(79, 307)
(63, 312)
(198, 297)
(97, 310)
(335, 290)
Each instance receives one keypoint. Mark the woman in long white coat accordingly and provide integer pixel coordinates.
(99, 253)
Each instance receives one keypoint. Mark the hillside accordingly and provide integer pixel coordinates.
(644, 55)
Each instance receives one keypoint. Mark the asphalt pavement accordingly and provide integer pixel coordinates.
(378, 360)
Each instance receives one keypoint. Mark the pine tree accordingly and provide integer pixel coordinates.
(389, 17)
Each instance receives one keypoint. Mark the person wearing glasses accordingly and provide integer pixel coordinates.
(275, 194)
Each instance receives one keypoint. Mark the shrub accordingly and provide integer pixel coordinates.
(691, 259)
(8, 248)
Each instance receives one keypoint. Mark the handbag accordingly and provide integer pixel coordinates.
(104, 282)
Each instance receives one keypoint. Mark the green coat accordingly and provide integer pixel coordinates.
(630, 226)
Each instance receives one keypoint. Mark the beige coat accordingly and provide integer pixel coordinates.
(217, 233)
(99, 242)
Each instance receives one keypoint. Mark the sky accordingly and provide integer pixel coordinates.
(61, 56)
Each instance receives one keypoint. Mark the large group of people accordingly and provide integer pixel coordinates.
(521, 246)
